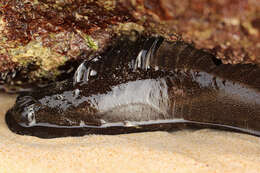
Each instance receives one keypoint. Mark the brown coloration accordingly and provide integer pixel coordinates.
(139, 85)
(229, 29)
(26, 20)
(47, 34)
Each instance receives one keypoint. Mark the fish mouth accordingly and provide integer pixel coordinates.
(148, 85)
(48, 132)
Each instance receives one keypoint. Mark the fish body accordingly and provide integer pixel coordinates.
(145, 84)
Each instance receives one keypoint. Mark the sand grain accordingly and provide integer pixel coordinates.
(182, 151)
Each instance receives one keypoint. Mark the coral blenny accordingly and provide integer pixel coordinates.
(143, 84)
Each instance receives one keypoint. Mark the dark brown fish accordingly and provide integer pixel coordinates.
(146, 84)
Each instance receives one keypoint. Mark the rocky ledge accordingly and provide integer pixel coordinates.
(44, 40)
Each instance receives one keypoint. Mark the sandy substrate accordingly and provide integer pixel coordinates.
(183, 151)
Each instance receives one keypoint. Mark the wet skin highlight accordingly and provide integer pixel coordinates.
(143, 84)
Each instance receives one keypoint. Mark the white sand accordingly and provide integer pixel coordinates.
(182, 151)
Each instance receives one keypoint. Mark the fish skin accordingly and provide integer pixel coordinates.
(143, 85)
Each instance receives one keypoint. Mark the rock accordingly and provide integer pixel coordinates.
(43, 40)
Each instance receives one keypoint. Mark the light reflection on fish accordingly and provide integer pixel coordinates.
(143, 85)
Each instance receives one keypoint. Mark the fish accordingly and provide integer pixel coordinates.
(143, 83)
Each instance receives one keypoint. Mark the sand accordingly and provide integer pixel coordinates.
(182, 151)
